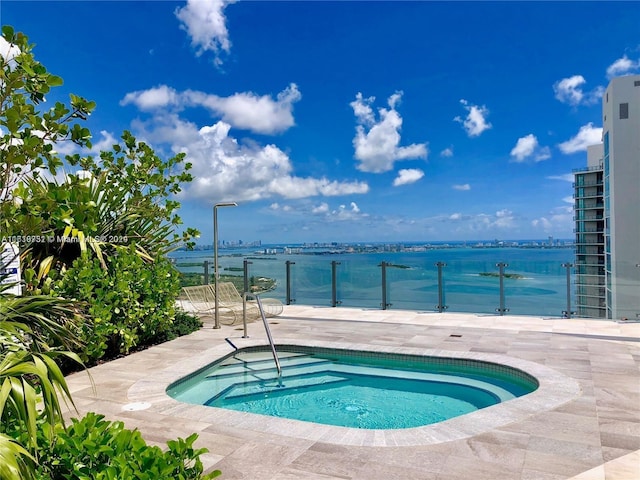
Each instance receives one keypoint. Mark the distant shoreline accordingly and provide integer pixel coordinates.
(346, 248)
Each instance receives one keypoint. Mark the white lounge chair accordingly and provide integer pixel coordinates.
(230, 303)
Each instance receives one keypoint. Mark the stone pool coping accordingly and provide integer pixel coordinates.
(595, 436)
(555, 389)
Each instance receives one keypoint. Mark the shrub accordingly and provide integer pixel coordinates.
(131, 303)
(184, 323)
(92, 448)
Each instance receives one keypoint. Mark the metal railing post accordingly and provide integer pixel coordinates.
(288, 264)
(334, 284)
(384, 303)
(502, 308)
(567, 313)
(441, 306)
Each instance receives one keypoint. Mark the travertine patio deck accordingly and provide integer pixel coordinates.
(589, 431)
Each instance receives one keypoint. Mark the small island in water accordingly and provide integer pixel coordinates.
(516, 276)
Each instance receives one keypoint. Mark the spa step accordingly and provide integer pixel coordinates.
(266, 366)
(258, 389)
(257, 358)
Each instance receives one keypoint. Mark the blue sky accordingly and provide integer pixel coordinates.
(350, 121)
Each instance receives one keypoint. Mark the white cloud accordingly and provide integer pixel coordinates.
(260, 114)
(622, 66)
(161, 96)
(542, 223)
(66, 147)
(320, 209)
(559, 219)
(407, 176)
(362, 109)
(504, 218)
(569, 90)
(276, 207)
(586, 136)
(8, 51)
(565, 177)
(475, 122)
(106, 142)
(246, 110)
(378, 148)
(344, 213)
(527, 147)
(480, 224)
(524, 147)
(317, 216)
(543, 153)
(225, 169)
(205, 23)
(463, 187)
(447, 152)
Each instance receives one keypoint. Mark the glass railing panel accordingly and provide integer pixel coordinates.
(266, 274)
(358, 281)
(543, 288)
(534, 282)
(311, 281)
(625, 285)
(469, 283)
(411, 282)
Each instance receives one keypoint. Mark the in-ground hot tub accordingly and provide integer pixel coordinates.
(356, 389)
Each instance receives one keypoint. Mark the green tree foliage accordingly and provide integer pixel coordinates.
(131, 303)
(113, 204)
(28, 135)
(119, 197)
(111, 220)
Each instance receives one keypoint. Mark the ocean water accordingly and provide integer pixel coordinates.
(541, 290)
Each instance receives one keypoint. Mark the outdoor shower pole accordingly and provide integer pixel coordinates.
(245, 269)
(215, 256)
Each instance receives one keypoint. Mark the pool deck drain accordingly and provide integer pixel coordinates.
(585, 422)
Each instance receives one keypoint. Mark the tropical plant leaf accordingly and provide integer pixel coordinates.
(31, 382)
(13, 460)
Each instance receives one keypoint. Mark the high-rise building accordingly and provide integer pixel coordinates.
(589, 218)
(607, 210)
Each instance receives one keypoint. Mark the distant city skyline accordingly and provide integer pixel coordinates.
(550, 241)
(350, 121)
